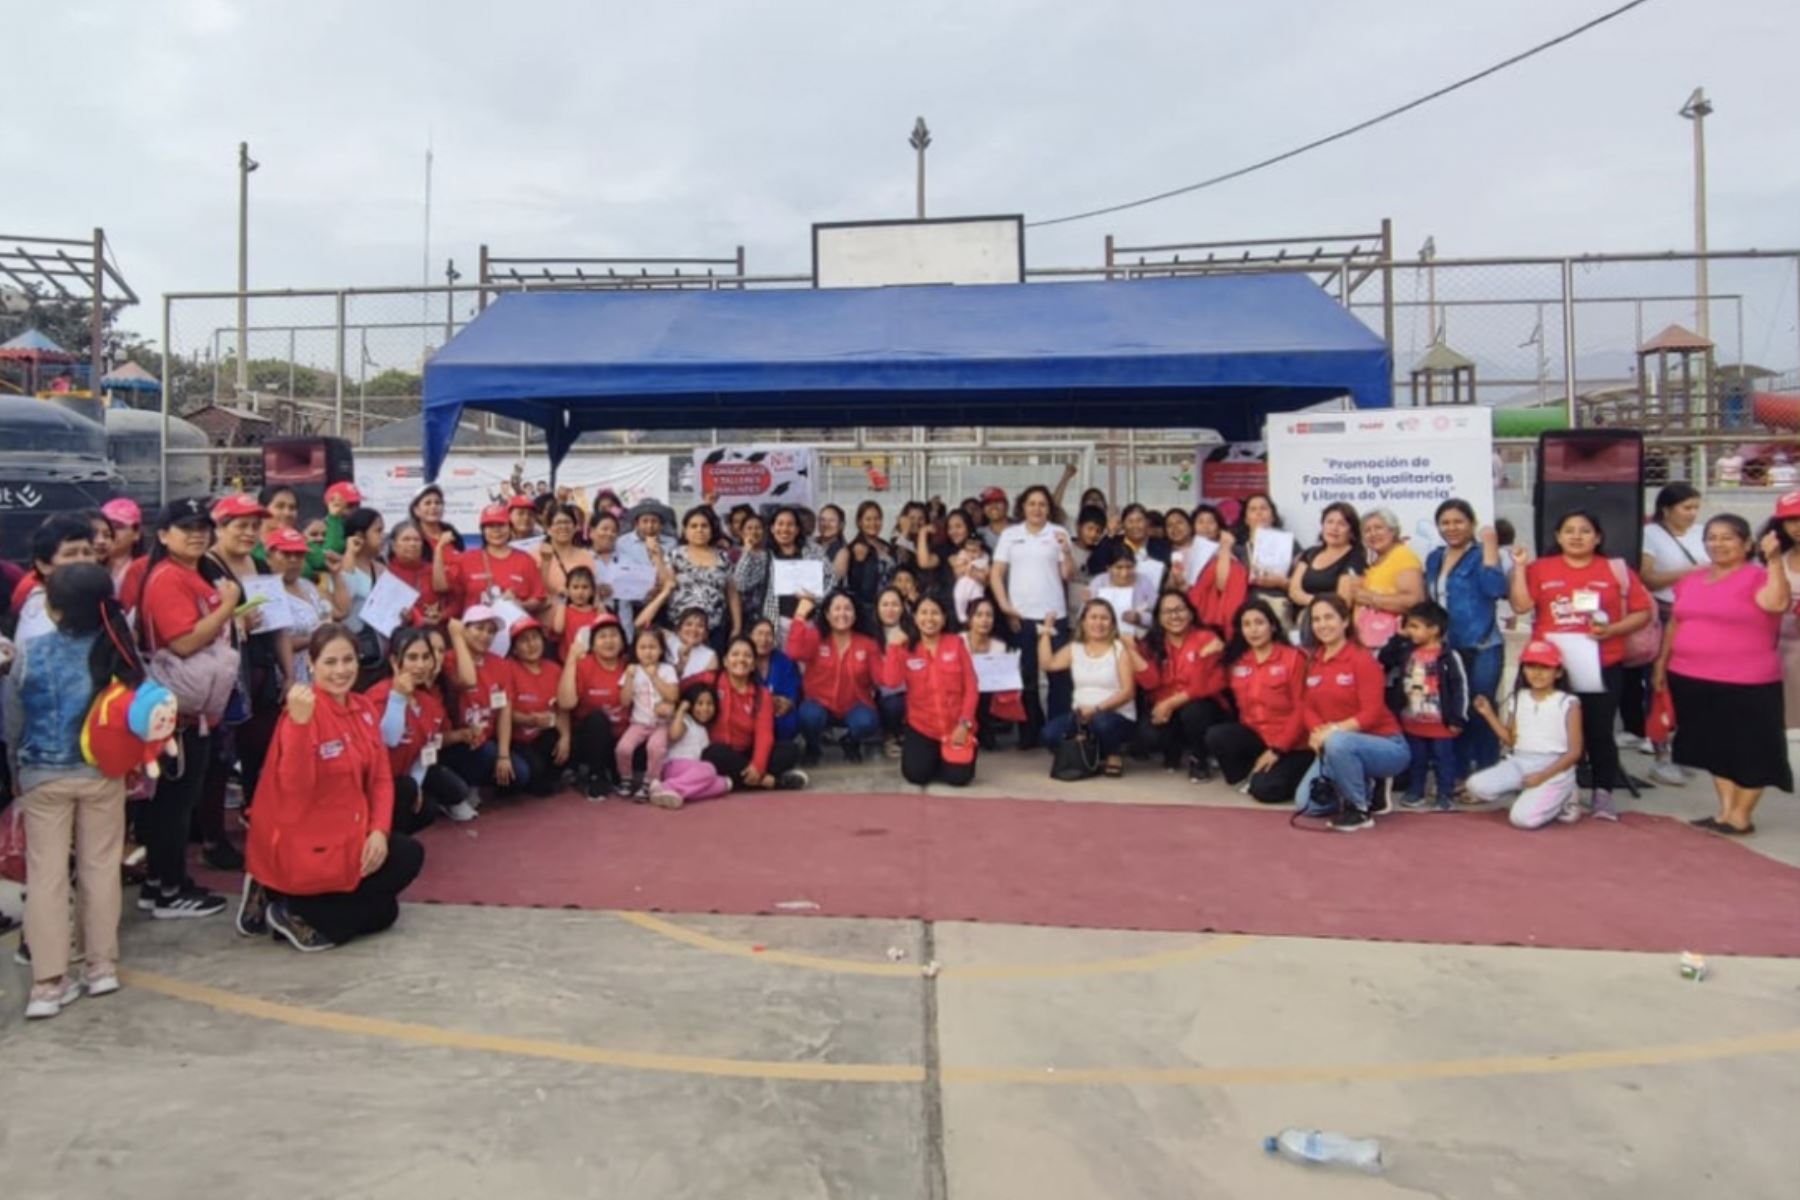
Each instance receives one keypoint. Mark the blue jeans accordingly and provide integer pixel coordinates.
(1062, 688)
(476, 767)
(1112, 730)
(893, 713)
(1477, 748)
(862, 722)
(1350, 760)
(1433, 753)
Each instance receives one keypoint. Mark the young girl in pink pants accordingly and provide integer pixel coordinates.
(685, 777)
(653, 687)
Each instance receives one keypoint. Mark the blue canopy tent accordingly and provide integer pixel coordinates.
(1220, 351)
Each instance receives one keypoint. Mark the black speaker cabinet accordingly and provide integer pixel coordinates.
(309, 465)
(1599, 471)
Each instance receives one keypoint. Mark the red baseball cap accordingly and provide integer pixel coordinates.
(993, 495)
(495, 514)
(285, 541)
(605, 618)
(521, 502)
(343, 490)
(238, 504)
(524, 625)
(1786, 507)
(479, 614)
(1540, 654)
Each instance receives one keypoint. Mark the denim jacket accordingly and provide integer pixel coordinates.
(1470, 595)
(49, 693)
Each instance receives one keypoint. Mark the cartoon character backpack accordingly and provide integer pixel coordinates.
(128, 729)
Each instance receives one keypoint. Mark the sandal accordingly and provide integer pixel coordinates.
(1113, 770)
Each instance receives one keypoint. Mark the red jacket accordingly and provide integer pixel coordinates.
(597, 689)
(839, 681)
(474, 708)
(1186, 669)
(1219, 608)
(940, 685)
(532, 694)
(746, 722)
(425, 719)
(1270, 696)
(1348, 685)
(516, 572)
(325, 785)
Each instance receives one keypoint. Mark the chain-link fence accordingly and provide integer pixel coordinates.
(1602, 340)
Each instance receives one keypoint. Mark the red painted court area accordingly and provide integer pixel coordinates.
(1647, 883)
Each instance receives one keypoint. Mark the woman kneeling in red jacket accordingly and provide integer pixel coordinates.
(325, 864)
(941, 697)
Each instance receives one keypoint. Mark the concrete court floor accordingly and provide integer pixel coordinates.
(487, 1052)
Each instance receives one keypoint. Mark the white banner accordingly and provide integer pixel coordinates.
(1407, 459)
(755, 475)
(388, 482)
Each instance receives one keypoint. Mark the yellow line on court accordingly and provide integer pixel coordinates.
(1212, 948)
(457, 1039)
(1784, 1042)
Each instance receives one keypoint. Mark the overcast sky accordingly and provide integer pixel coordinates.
(596, 127)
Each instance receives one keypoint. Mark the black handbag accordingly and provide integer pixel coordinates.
(1077, 757)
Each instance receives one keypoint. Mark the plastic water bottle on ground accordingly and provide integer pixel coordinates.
(1318, 1148)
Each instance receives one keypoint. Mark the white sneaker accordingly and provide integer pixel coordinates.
(1668, 773)
(47, 1000)
(1630, 741)
(462, 810)
(103, 984)
(665, 797)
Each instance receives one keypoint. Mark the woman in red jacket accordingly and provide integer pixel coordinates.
(742, 744)
(941, 698)
(1185, 685)
(1349, 725)
(325, 864)
(591, 691)
(838, 668)
(1265, 749)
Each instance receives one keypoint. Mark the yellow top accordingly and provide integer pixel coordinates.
(1384, 577)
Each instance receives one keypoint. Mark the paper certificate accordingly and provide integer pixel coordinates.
(1195, 558)
(272, 604)
(998, 671)
(798, 576)
(388, 604)
(1581, 661)
(1272, 551)
(508, 612)
(1123, 600)
(631, 580)
(1150, 572)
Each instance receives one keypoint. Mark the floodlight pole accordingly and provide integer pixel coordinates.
(246, 164)
(920, 141)
(1697, 109)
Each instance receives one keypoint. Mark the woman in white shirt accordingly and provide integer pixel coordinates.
(1033, 559)
(1674, 544)
(1101, 669)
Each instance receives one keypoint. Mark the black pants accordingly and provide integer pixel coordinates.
(1597, 712)
(374, 905)
(1634, 699)
(171, 810)
(893, 713)
(591, 744)
(1062, 688)
(540, 756)
(922, 762)
(1184, 733)
(783, 757)
(415, 807)
(1237, 747)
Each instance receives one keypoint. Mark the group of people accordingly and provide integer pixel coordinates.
(600, 649)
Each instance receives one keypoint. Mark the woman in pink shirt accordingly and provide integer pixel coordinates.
(1722, 667)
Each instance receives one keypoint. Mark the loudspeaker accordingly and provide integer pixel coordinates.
(309, 465)
(1600, 471)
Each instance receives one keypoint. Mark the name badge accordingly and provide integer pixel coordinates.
(497, 698)
(1585, 600)
(429, 755)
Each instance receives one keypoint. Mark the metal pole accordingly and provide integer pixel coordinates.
(921, 138)
(245, 166)
(337, 417)
(450, 278)
(291, 356)
(1387, 282)
(162, 486)
(215, 365)
(1131, 452)
(1543, 362)
(362, 391)
(97, 346)
(1568, 316)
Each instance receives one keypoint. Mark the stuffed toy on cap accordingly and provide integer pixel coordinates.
(129, 728)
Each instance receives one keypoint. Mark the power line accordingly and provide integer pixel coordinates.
(1341, 134)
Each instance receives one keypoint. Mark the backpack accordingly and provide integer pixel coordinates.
(1642, 647)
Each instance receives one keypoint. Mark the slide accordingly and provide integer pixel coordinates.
(1778, 410)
